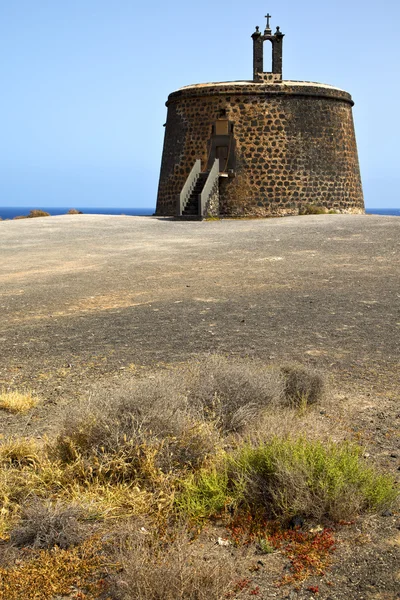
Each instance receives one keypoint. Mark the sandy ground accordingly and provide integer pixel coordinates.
(123, 290)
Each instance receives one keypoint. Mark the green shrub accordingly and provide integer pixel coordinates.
(285, 477)
(205, 493)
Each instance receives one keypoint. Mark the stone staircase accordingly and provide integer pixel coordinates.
(191, 210)
(199, 197)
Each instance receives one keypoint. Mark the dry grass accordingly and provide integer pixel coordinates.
(73, 573)
(19, 452)
(155, 569)
(17, 402)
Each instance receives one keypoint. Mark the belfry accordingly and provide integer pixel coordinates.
(263, 147)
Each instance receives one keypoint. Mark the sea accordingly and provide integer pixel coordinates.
(9, 212)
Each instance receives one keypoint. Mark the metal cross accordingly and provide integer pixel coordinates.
(268, 17)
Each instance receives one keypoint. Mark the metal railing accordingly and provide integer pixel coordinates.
(187, 189)
(209, 187)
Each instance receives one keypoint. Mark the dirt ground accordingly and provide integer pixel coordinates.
(85, 298)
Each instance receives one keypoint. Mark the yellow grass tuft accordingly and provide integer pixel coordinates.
(17, 402)
(72, 573)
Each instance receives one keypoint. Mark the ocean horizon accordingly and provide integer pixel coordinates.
(10, 212)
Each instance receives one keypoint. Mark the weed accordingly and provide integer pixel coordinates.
(17, 402)
(265, 546)
(288, 477)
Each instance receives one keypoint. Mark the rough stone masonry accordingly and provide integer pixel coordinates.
(281, 144)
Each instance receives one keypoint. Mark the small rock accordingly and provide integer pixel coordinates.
(387, 513)
(222, 542)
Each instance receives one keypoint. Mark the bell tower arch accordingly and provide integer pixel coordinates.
(276, 40)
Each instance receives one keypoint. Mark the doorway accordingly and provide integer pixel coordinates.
(221, 152)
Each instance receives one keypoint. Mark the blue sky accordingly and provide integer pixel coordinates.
(84, 85)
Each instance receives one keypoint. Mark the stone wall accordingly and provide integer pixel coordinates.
(294, 145)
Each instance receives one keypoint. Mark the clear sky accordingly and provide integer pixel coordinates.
(84, 85)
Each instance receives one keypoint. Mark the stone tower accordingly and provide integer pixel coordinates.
(266, 147)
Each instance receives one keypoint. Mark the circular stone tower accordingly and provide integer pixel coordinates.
(266, 147)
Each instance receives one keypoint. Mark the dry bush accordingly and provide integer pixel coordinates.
(17, 402)
(45, 525)
(74, 211)
(147, 425)
(303, 385)
(17, 217)
(233, 391)
(287, 422)
(36, 212)
(156, 570)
